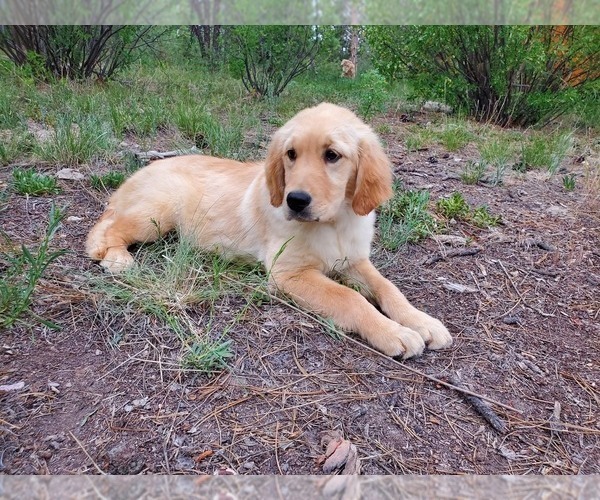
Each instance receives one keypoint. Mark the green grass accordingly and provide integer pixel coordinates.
(545, 151)
(419, 138)
(24, 268)
(497, 154)
(179, 286)
(568, 182)
(454, 136)
(76, 140)
(110, 180)
(453, 207)
(29, 182)
(14, 144)
(482, 217)
(405, 219)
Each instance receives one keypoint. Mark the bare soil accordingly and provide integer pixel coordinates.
(525, 318)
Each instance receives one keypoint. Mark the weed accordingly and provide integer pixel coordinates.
(418, 139)
(568, 182)
(207, 355)
(372, 99)
(453, 207)
(28, 181)
(110, 180)
(482, 217)
(405, 219)
(12, 145)
(173, 280)
(473, 172)
(24, 270)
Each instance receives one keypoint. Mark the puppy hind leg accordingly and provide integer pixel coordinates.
(109, 239)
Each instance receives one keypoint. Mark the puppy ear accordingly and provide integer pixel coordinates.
(274, 171)
(373, 178)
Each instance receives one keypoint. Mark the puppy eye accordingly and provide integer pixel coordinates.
(291, 154)
(331, 156)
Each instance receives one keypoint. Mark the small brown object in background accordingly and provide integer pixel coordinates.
(348, 69)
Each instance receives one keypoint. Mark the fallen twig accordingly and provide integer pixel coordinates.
(484, 409)
(455, 252)
(156, 155)
(555, 423)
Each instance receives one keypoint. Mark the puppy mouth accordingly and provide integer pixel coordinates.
(303, 216)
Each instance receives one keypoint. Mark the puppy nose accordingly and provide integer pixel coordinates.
(298, 200)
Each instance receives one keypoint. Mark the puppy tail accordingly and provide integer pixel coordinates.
(96, 245)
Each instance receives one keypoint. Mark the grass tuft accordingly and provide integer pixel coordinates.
(110, 180)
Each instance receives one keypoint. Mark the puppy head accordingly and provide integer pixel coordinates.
(324, 159)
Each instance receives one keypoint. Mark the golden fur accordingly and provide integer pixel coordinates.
(306, 213)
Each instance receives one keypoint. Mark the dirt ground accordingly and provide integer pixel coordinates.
(524, 311)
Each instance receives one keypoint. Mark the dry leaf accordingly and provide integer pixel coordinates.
(339, 452)
(203, 455)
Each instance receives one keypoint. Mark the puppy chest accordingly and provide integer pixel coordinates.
(338, 249)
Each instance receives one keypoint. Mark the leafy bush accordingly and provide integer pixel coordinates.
(374, 93)
(510, 75)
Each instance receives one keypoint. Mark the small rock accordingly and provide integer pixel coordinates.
(73, 218)
(140, 402)
(128, 408)
(17, 386)
(557, 211)
(98, 352)
(511, 320)
(70, 174)
(436, 107)
(248, 465)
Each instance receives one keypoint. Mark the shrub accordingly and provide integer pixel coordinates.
(75, 52)
(510, 75)
(268, 58)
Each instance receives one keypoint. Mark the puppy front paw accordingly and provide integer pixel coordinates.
(432, 331)
(399, 341)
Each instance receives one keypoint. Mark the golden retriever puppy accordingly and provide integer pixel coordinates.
(348, 68)
(307, 213)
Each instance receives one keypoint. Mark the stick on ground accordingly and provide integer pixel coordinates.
(484, 409)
